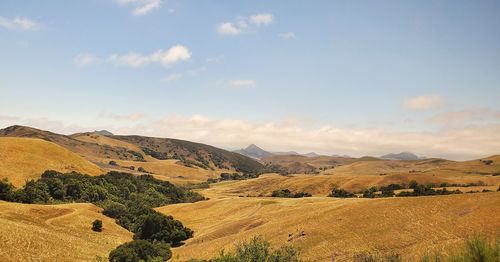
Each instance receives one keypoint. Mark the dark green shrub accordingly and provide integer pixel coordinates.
(259, 250)
(338, 192)
(158, 227)
(141, 250)
(6, 190)
(288, 194)
(97, 225)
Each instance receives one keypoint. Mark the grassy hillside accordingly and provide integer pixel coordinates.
(321, 185)
(28, 158)
(169, 159)
(89, 150)
(56, 233)
(193, 154)
(326, 227)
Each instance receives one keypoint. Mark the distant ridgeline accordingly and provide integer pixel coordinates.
(127, 198)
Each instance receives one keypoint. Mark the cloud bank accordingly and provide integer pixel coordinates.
(471, 141)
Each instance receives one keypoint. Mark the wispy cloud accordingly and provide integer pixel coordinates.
(228, 28)
(141, 7)
(172, 78)
(454, 143)
(19, 23)
(466, 117)
(167, 57)
(424, 102)
(84, 59)
(244, 24)
(262, 19)
(243, 83)
(287, 35)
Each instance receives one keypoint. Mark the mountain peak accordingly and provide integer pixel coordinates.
(254, 151)
(103, 133)
(401, 156)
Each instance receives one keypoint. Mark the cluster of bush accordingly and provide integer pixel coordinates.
(288, 194)
(127, 198)
(342, 193)
(418, 190)
(154, 154)
(232, 176)
(425, 190)
(256, 249)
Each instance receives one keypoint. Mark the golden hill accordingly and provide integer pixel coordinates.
(325, 227)
(28, 158)
(56, 233)
(321, 185)
(177, 161)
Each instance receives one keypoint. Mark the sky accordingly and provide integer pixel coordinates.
(334, 77)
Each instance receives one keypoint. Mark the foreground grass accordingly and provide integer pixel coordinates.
(475, 249)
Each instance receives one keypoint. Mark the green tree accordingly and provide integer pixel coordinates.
(97, 225)
(141, 250)
(6, 190)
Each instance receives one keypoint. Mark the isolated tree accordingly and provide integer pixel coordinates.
(97, 225)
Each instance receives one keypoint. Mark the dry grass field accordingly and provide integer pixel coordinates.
(170, 170)
(56, 233)
(27, 158)
(324, 227)
(321, 185)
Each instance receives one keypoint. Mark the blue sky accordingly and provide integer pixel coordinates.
(336, 77)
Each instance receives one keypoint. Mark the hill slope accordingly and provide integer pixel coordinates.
(174, 160)
(326, 227)
(56, 233)
(28, 158)
(191, 153)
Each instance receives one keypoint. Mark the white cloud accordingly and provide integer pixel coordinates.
(466, 142)
(466, 116)
(454, 143)
(172, 78)
(141, 7)
(215, 59)
(171, 56)
(287, 35)
(244, 83)
(228, 28)
(84, 59)
(19, 23)
(425, 102)
(244, 24)
(262, 19)
(134, 60)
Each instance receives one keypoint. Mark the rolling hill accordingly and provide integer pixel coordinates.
(174, 160)
(325, 227)
(28, 158)
(56, 233)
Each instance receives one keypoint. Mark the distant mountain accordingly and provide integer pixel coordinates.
(289, 153)
(103, 133)
(311, 154)
(401, 156)
(254, 151)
